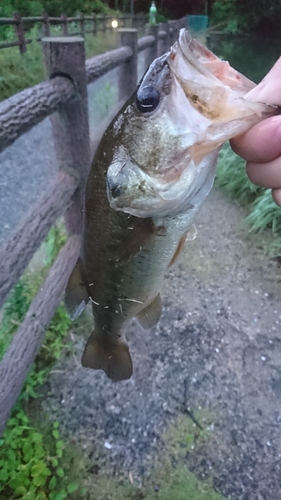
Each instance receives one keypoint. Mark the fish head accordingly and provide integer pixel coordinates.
(167, 137)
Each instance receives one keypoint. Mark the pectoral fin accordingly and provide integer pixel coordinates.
(113, 358)
(191, 233)
(150, 316)
(76, 295)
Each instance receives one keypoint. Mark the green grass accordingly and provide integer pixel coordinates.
(169, 479)
(22, 71)
(263, 213)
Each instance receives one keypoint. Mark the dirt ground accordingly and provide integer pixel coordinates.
(217, 346)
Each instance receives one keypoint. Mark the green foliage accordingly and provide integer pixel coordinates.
(226, 13)
(170, 478)
(55, 240)
(94, 6)
(31, 468)
(31, 462)
(22, 71)
(232, 179)
(184, 435)
(52, 7)
(265, 214)
(255, 15)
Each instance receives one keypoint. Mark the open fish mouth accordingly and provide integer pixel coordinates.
(186, 106)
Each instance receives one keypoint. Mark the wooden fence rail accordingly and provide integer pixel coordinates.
(65, 99)
(97, 23)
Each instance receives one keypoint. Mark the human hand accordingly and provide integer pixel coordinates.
(261, 145)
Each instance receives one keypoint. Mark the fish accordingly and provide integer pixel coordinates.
(151, 173)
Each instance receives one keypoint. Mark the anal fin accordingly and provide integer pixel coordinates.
(113, 358)
(76, 295)
(150, 315)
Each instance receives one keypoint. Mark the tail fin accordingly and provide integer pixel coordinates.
(113, 358)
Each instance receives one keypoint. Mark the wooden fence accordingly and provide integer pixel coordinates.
(65, 98)
(82, 25)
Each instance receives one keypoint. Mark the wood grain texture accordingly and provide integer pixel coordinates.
(22, 111)
(16, 253)
(70, 123)
(99, 65)
(26, 342)
(128, 71)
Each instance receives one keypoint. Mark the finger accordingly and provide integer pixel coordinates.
(262, 143)
(267, 174)
(276, 195)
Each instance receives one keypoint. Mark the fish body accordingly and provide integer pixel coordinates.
(120, 270)
(151, 173)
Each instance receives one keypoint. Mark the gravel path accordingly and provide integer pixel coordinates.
(217, 347)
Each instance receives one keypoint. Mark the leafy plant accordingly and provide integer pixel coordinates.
(19, 72)
(29, 468)
(55, 240)
(31, 462)
(263, 212)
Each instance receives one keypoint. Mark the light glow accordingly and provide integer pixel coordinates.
(114, 23)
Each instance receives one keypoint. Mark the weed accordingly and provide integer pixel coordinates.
(31, 462)
(19, 72)
(263, 212)
(170, 478)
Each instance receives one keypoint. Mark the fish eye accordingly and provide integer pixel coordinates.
(147, 99)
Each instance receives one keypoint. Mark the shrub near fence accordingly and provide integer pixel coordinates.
(84, 24)
(66, 98)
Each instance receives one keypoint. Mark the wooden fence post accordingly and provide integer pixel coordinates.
(46, 24)
(64, 25)
(82, 25)
(66, 56)
(128, 72)
(152, 51)
(94, 24)
(161, 46)
(173, 31)
(166, 28)
(103, 22)
(20, 32)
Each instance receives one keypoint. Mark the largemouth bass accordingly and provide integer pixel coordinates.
(151, 173)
